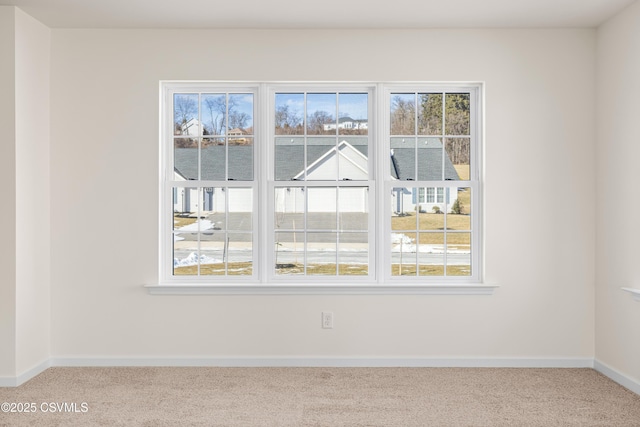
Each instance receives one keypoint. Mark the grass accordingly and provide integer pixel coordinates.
(245, 268)
(430, 270)
(325, 269)
(235, 269)
(181, 221)
(463, 172)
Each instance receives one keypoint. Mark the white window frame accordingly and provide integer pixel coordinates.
(167, 183)
(263, 280)
(305, 280)
(474, 182)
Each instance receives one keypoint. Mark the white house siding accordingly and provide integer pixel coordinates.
(211, 199)
(292, 200)
(409, 200)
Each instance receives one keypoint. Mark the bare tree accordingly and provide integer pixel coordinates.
(316, 122)
(403, 113)
(185, 108)
(288, 122)
(238, 120)
(217, 108)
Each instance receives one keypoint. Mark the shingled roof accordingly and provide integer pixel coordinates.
(289, 159)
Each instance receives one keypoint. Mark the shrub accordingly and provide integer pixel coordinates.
(457, 207)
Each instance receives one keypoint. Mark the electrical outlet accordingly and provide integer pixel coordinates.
(327, 320)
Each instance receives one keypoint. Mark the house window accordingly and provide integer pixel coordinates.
(421, 195)
(268, 183)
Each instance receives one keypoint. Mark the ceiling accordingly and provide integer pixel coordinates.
(329, 14)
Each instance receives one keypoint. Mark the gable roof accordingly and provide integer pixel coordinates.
(344, 151)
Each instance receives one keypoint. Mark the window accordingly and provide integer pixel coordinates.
(433, 141)
(211, 174)
(281, 184)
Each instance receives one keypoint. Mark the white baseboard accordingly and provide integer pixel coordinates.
(329, 362)
(25, 376)
(624, 380)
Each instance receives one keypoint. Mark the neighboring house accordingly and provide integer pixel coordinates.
(191, 128)
(237, 136)
(325, 161)
(347, 123)
(213, 168)
(430, 163)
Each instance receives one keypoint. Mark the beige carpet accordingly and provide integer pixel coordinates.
(321, 397)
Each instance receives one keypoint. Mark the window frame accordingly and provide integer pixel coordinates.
(167, 149)
(475, 91)
(272, 89)
(263, 279)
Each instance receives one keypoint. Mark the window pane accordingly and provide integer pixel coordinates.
(214, 207)
(431, 254)
(322, 161)
(289, 114)
(321, 114)
(185, 114)
(430, 114)
(213, 159)
(403, 158)
(458, 254)
(213, 250)
(403, 208)
(353, 114)
(289, 208)
(430, 160)
(403, 114)
(403, 254)
(459, 215)
(241, 158)
(432, 215)
(185, 159)
(457, 117)
(321, 254)
(353, 255)
(214, 114)
(322, 209)
(240, 254)
(240, 115)
(289, 158)
(353, 205)
(185, 204)
(240, 209)
(185, 254)
(458, 157)
(289, 253)
(353, 163)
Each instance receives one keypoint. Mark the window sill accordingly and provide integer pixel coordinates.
(316, 289)
(634, 292)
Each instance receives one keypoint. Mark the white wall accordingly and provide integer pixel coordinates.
(33, 308)
(8, 178)
(540, 218)
(618, 151)
(25, 313)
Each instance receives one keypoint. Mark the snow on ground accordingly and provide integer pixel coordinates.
(205, 224)
(192, 259)
(403, 243)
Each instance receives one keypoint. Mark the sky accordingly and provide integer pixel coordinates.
(354, 105)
